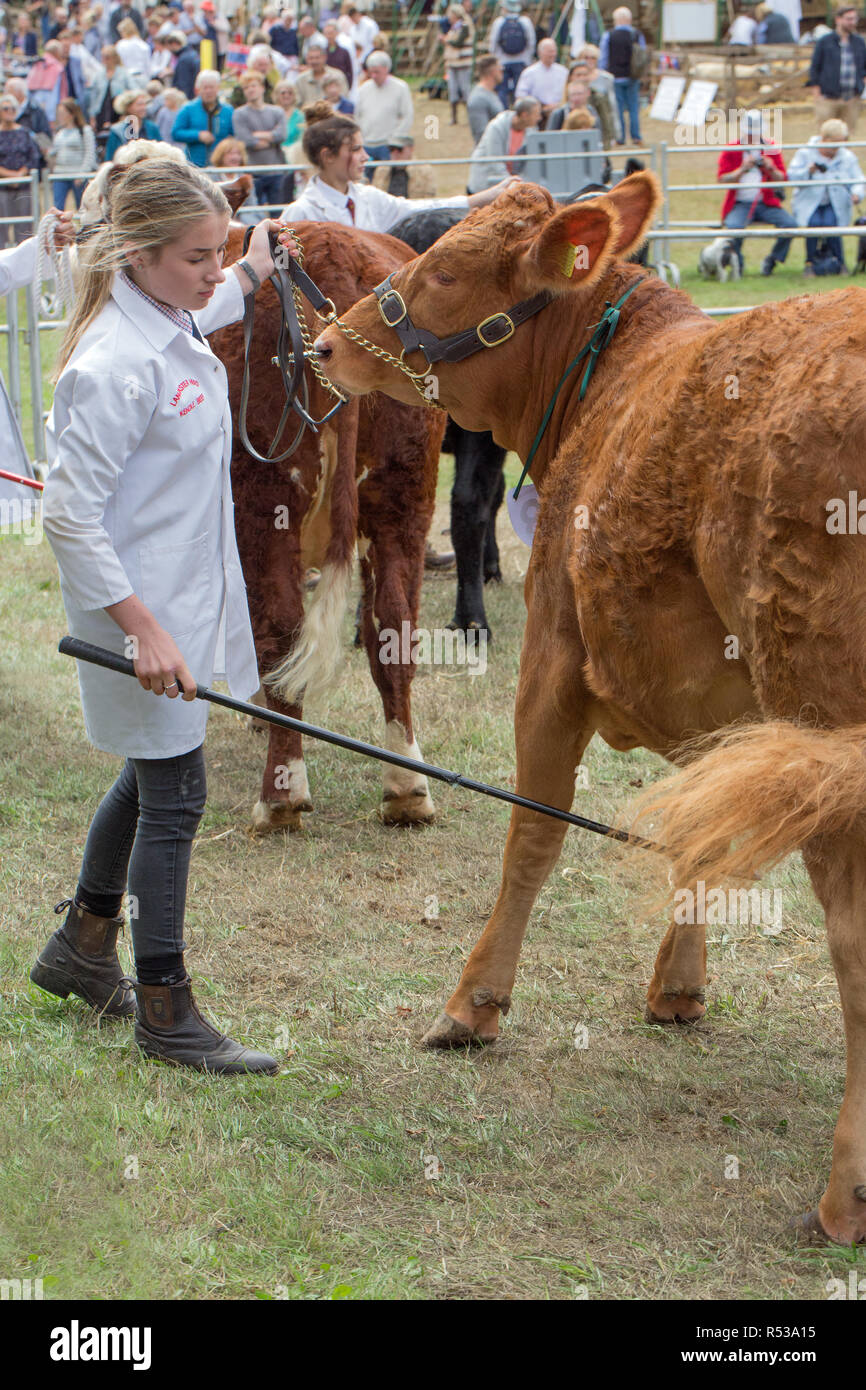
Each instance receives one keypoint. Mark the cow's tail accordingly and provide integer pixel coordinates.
(314, 660)
(755, 795)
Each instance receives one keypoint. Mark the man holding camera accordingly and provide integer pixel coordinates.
(747, 166)
(832, 183)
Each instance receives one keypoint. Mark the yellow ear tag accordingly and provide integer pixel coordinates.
(568, 260)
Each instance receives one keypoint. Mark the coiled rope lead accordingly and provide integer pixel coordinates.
(54, 265)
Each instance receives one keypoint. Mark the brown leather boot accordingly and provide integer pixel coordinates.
(169, 1028)
(81, 958)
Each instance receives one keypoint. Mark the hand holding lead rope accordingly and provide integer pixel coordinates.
(54, 236)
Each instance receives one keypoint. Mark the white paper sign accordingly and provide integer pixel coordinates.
(523, 511)
(690, 21)
(667, 98)
(699, 99)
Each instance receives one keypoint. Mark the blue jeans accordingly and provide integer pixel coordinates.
(269, 189)
(824, 216)
(61, 188)
(627, 90)
(141, 840)
(510, 74)
(742, 213)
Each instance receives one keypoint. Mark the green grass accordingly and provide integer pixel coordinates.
(563, 1172)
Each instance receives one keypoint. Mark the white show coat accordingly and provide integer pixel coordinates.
(375, 210)
(17, 269)
(138, 500)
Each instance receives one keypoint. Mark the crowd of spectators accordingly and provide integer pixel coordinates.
(84, 78)
(827, 178)
(81, 79)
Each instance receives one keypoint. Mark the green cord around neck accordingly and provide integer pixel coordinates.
(602, 334)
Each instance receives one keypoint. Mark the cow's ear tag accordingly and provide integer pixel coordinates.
(523, 511)
(568, 259)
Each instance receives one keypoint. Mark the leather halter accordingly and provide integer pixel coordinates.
(291, 352)
(495, 329)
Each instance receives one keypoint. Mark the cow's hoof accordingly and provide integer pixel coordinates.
(450, 1032)
(493, 576)
(270, 816)
(416, 808)
(473, 630)
(686, 1007)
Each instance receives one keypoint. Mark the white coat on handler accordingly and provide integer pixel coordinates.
(138, 500)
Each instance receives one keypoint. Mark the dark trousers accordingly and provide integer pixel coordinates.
(742, 213)
(269, 189)
(140, 840)
(627, 92)
(61, 188)
(824, 216)
(510, 74)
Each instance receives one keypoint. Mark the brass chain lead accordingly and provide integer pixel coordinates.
(309, 355)
(417, 378)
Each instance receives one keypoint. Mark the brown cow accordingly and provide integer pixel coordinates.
(685, 574)
(367, 480)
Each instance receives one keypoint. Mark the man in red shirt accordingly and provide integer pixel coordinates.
(745, 165)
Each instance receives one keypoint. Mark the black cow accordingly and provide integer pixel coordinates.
(479, 480)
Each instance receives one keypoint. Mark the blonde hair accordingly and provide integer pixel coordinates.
(128, 29)
(124, 100)
(834, 131)
(174, 97)
(581, 119)
(225, 146)
(151, 205)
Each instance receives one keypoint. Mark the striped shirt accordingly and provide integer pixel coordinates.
(847, 71)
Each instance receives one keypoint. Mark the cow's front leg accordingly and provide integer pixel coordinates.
(678, 986)
(552, 729)
(285, 792)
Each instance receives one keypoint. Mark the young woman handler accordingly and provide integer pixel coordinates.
(334, 147)
(138, 509)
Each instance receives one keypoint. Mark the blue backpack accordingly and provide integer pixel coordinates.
(512, 36)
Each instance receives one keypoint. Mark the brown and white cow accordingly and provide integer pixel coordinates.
(689, 570)
(366, 481)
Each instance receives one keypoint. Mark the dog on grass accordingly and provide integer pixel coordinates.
(719, 261)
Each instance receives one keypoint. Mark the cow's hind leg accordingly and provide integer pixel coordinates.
(837, 867)
(552, 729)
(492, 567)
(477, 478)
(387, 608)
(677, 989)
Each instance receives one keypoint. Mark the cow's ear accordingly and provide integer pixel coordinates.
(238, 191)
(637, 199)
(574, 248)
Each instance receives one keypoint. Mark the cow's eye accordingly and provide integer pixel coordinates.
(443, 278)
